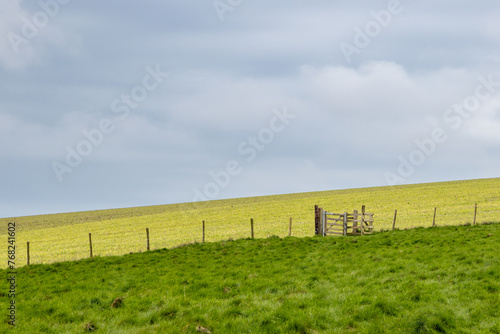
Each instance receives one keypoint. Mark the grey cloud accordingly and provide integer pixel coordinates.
(226, 77)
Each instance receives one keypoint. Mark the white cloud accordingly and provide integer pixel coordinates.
(484, 125)
(28, 35)
(11, 21)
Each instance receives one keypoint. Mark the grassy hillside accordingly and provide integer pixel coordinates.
(121, 231)
(434, 280)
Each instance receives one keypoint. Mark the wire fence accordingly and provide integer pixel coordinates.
(70, 243)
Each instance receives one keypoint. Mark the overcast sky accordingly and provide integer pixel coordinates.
(107, 104)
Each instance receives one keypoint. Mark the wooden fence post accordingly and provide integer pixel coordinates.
(147, 238)
(321, 230)
(28, 250)
(251, 226)
(345, 223)
(434, 219)
(475, 214)
(325, 221)
(90, 241)
(394, 222)
(363, 210)
(203, 238)
(290, 228)
(354, 222)
(316, 220)
(320, 221)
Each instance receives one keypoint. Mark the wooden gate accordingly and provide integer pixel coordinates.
(329, 223)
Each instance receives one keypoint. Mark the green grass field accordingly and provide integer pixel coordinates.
(62, 237)
(432, 280)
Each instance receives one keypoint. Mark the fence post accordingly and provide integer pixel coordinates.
(90, 242)
(354, 222)
(345, 223)
(203, 238)
(363, 219)
(147, 238)
(320, 221)
(394, 222)
(251, 226)
(434, 219)
(28, 250)
(324, 218)
(290, 228)
(475, 214)
(316, 220)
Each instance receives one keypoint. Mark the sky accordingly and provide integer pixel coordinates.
(109, 104)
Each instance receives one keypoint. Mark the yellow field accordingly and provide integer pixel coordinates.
(63, 237)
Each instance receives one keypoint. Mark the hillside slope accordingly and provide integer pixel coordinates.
(121, 231)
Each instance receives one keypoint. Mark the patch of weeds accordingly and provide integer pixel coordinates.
(118, 302)
(203, 330)
(89, 327)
